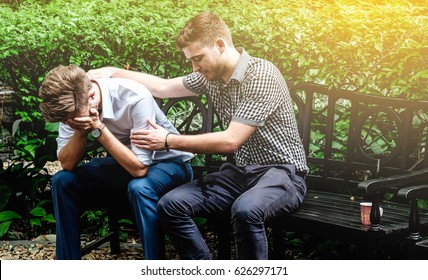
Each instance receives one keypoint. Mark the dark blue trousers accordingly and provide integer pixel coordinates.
(251, 195)
(103, 181)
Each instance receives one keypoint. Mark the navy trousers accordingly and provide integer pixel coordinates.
(251, 195)
(103, 181)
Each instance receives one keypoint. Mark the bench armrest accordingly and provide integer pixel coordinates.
(400, 181)
(413, 192)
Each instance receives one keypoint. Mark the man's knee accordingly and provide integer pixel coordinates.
(62, 180)
(171, 204)
(141, 188)
(245, 213)
(62, 176)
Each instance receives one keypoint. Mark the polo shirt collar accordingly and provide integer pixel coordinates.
(242, 66)
(106, 100)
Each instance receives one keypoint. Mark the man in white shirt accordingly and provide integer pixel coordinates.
(109, 110)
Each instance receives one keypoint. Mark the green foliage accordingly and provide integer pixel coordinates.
(37, 219)
(6, 219)
(26, 173)
(99, 219)
(39, 215)
(24, 181)
(371, 46)
(378, 48)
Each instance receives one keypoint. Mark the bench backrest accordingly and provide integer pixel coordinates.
(348, 136)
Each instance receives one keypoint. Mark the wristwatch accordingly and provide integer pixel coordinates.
(96, 133)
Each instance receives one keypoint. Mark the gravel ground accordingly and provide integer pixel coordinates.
(45, 250)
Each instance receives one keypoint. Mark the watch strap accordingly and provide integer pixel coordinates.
(101, 126)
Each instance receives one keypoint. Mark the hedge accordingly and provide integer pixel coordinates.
(377, 47)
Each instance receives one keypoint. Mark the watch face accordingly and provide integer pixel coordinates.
(96, 133)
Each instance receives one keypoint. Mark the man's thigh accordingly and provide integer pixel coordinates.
(209, 195)
(275, 192)
(162, 177)
(102, 180)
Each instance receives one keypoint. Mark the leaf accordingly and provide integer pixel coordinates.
(38, 212)
(102, 231)
(125, 221)
(9, 215)
(337, 145)
(4, 227)
(423, 74)
(35, 222)
(43, 202)
(15, 126)
(52, 127)
(49, 218)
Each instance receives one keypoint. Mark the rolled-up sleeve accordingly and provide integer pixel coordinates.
(65, 132)
(141, 112)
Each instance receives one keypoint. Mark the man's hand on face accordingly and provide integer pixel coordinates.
(87, 123)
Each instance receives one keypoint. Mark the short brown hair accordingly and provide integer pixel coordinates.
(64, 90)
(205, 28)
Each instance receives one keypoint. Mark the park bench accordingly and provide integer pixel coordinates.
(359, 147)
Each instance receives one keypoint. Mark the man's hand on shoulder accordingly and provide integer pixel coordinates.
(99, 73)
(151, 139)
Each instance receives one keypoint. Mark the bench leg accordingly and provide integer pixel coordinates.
(114, 229)
(112, 236)
(278, 243)
(224, 239)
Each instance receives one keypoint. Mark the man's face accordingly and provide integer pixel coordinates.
(205, 60)
(93, 102)
(82, 112)
(94, 97)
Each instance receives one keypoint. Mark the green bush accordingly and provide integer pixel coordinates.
(358, 45)
(376, 47)
(24, 186)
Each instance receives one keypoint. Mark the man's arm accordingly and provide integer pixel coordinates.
(71, 154)
(124, 156)
(159, 87)
(227, 141)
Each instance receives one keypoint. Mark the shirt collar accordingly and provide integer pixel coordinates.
(106, 99)
(242, 66)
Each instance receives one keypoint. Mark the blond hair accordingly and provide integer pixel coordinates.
(64, 90)
(204, 28)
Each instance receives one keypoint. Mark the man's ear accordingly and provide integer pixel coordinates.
(220, 44)
(91, 94)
